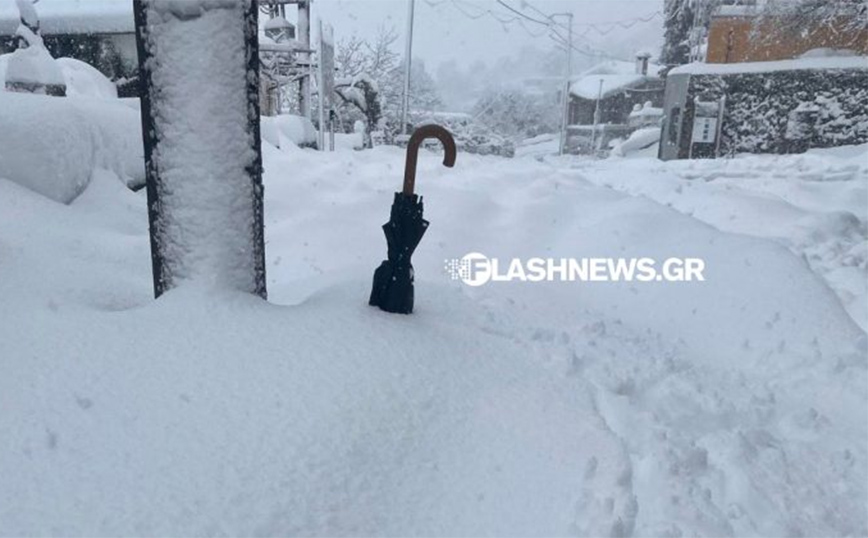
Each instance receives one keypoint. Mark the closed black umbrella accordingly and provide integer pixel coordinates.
(393, 280)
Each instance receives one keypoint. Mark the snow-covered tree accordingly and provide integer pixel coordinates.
(372, 72)
(363, 93)
(804, 17)
(424, 94)
(677, 25)
(686, 27)
(517, 114)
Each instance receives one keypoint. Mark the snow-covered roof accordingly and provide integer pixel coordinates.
(839, 62)
(589, 87)
(616, 75)
(73, 17)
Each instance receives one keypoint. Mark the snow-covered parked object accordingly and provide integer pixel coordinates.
(200, 117)
(298, 130)
(53, 146)
(760, 101)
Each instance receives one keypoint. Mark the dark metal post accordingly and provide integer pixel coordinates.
(151, 132)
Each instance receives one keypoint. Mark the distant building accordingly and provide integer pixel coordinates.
(607, 95)
(98, 32)
(744, 34)
(773, 82)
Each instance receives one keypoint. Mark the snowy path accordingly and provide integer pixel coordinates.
(815, 204)
(730, 407)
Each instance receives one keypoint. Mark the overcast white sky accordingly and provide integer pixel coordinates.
(447, 29)
(443, 31)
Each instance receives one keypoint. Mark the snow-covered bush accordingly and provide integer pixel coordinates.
(517, 114)
(470, 135)
(52, 146)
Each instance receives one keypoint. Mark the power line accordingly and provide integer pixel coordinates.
(517, 12)
(551, 25)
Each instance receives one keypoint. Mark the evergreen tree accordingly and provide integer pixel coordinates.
(677, 26)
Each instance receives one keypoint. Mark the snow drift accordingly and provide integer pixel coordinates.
(278, 130)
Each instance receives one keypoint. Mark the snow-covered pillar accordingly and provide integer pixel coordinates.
(304, 38)
(200, 117)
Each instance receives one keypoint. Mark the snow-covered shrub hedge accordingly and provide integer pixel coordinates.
(759, 107)
(52, 145)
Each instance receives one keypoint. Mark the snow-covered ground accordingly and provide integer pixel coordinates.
(815, 204)
(734, 406)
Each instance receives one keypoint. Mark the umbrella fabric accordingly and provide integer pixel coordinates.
(393, 280)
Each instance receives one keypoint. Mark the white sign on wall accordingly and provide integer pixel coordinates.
(704, 130)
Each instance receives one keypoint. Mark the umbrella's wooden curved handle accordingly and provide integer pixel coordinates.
(420, 134)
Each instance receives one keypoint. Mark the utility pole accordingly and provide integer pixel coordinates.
(304, 38)
(596, 119)
(321, 92)
(568, 74)
(408, 57)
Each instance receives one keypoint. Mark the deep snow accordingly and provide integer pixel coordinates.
(730, 407)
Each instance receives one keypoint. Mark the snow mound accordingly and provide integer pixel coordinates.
(84, 80)
(638, 140)
(81, 78)
(53, 145)
(277, 130)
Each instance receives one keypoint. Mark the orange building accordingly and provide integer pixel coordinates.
(739, 34)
